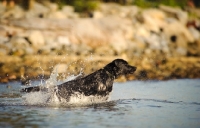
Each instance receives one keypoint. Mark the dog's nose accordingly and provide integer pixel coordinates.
(134, 68)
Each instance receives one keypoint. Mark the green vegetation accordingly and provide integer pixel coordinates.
(155, 3)
(85, 5)
(90, 5)
(79, 5)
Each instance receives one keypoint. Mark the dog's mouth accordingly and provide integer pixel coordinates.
(132, 69)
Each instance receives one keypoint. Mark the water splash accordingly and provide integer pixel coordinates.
(52, 81)
(36, 98)
(78, 98)
(49, 97)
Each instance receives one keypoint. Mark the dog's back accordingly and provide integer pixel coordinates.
(98, 83)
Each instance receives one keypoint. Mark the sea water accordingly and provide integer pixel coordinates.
(152, 104)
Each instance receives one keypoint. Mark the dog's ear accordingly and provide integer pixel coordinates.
(119, 62)
(116, 67)
(116, 62)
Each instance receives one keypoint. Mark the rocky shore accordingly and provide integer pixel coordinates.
(163, 42)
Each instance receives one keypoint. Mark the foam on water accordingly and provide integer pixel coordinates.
(49, 97)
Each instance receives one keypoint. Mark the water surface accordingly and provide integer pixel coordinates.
(153, 104)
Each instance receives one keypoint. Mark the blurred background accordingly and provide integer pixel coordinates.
(160, 37)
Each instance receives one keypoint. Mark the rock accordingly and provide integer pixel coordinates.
(104, 51)
(118, 43)
(195, 33)
(63, 41)
(36, 38)
(109, 9)
(38, 10)
(79, 49)
(181, 51)
(68, 11)
(19, 43)
(141, 33)
(50, 45)
(3, 52)
(193, 48)
(136, 48)
(20, 46)
(60, 68)
(176, 13)
(154, 19)
(56, 15)
(16, 12)
(161, 33)
(53, 7)
(91, 32)
(178, 38)
(97, 14)
(154, 40)
(94, 35)
(2, 9)
(153, 13)
(146, 64)
(3, 39)
(130, 11)
(112, 9)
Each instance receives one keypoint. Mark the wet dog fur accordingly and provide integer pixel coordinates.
(99, 83)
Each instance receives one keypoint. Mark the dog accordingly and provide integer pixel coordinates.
(99, 83)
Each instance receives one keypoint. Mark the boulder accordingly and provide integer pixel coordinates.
(104, 51)
(97, 14)
(3, 39)
(194, 32)
(91, 32)
(153, 19)
(53, 7)
(19, 43)
(3, 52)
(38, 10)
(36, 38)
(16, 12)
(54, 12)
(118, 43)
(181, 15)
(112, 9)
(109, 9)
(56, 15)
(68, 11)
(178, 38)
(79, 49)
(63, 41)
(2, 9)
(60, 68)
(20, 46)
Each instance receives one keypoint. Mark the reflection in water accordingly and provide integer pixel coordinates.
(165, 104)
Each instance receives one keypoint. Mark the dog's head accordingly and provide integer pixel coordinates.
(120, 67)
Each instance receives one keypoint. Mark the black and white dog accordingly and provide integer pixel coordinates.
(98, 83)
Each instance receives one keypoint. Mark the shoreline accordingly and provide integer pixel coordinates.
(33, 67)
